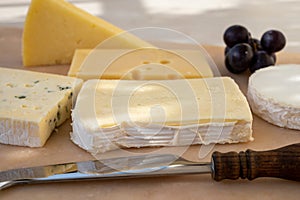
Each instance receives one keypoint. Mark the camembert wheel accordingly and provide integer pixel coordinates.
(274, 95)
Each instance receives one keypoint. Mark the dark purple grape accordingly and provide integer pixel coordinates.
(273, 55)
(230, 68)
(226, 50)
(273, 41)
(249, 35)
(239, 58)
(255, 44)
(260, 60)
(235, 34)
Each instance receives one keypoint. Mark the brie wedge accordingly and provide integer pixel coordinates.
(274, 95)
(112, 114)
(32, 104)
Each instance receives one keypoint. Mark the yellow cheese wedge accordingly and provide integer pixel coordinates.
(139, 64)
(55, 28)
(110, 114)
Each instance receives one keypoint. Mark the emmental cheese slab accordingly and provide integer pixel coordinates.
(139, 64)
(53, 29)
(112, 114)
(33, 104)
(274, 95)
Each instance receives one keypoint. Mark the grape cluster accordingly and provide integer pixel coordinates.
(243, 52)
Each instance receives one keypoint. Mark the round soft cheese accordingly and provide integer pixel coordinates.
(274, 95)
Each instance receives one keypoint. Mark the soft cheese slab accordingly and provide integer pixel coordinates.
(112, 114)
(33, 104)
(55, 28)
(274, 95)
(139, 64)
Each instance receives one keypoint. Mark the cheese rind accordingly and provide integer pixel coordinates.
(273, 94)
(33, 104)
(139, 64)
(55, 28)
(111, 114)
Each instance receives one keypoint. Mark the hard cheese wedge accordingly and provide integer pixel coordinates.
(33, 104)
(139, 64)
(111, 114)
(55, 28)
(274, 95)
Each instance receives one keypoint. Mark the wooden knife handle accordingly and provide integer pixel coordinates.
(279, 163)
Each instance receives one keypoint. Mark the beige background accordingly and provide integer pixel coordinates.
(203, 20)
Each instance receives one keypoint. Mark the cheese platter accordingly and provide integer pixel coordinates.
(60, 149)
(19, 49)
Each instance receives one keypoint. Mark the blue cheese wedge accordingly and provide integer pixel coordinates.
(274, 95)
(112, 114)
(33, 104)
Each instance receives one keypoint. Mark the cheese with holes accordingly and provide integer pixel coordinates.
(139, 64)
(112, 114)
(33, 104)
(274, 95)
(55, 28)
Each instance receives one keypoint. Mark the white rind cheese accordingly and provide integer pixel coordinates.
(33, 104)
(113, 114)
(274, 95)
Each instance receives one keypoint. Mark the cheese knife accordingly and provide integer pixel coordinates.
(282, 163)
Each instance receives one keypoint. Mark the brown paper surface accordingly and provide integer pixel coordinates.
(60, 149)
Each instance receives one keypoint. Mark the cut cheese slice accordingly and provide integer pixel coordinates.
(139, 64)
(274, 95)
(111, 114)
(33, 104)
(55, 28)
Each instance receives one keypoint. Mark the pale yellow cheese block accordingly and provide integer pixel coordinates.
(33, 104)
(55, 28)
(128, 113)
(139, 64)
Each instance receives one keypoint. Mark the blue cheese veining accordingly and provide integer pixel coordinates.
(33, 104)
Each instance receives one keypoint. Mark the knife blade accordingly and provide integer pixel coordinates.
(279, 163)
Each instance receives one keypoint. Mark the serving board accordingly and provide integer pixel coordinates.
(60, 149)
